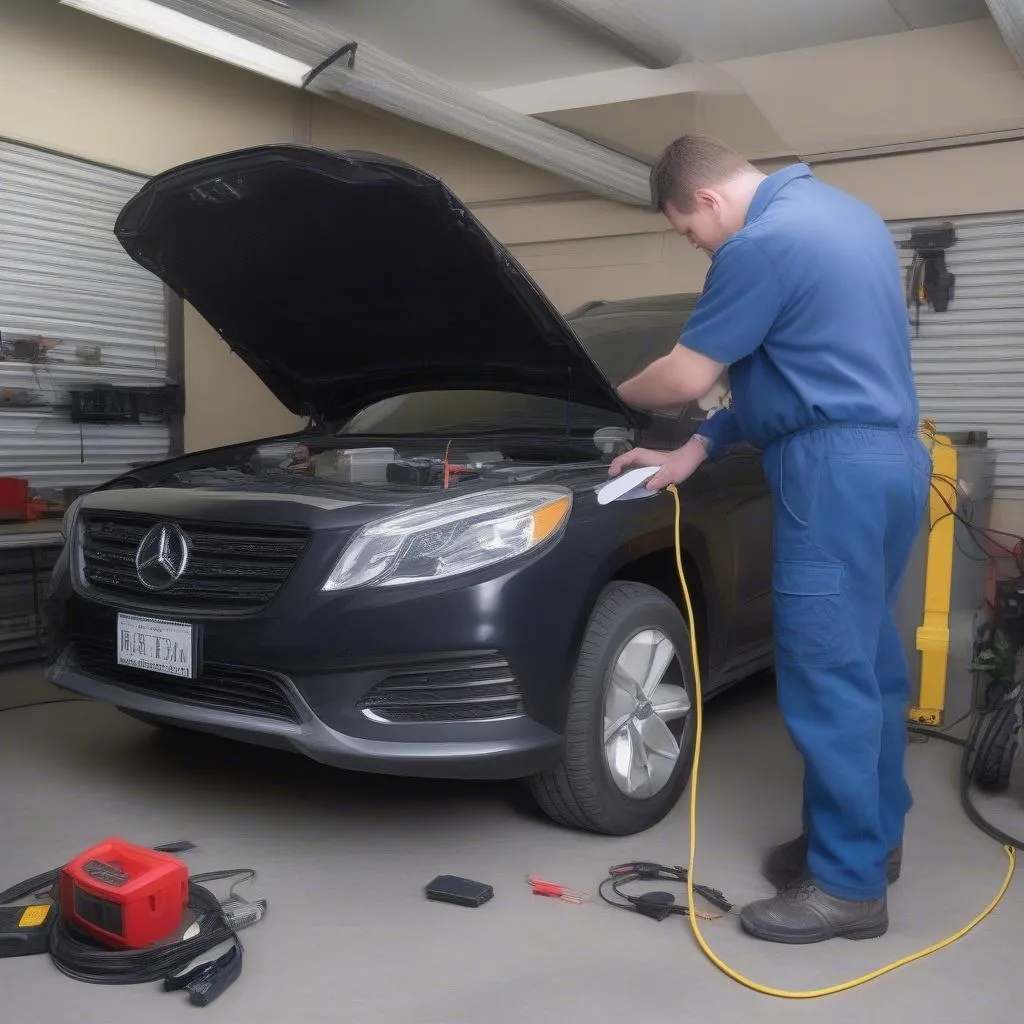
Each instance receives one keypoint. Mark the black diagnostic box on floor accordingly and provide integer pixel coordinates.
(463, 892)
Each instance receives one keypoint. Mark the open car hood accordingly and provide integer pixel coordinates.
(344, 278)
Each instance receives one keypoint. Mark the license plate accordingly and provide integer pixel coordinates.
(156, 646)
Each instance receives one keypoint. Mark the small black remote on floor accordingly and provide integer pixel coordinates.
(463, 892)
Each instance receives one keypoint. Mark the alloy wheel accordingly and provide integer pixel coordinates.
(644, 695)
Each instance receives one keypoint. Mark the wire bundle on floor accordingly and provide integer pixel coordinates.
(977, 748)
(658, 905)
(85, 960)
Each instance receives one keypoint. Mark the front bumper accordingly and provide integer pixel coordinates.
(323, 673)
(503, 749)
(300, 673)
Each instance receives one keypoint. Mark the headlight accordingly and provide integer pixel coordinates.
(452, 537)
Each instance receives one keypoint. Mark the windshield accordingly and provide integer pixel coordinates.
(620, 339)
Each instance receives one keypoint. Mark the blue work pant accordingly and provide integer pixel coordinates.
(848, 503)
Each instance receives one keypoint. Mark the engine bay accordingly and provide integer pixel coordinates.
(400, 465)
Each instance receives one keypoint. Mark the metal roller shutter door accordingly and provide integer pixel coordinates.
(64, 277)
(969, 361)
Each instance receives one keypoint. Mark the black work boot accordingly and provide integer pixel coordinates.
(802, 913)
(785, 864)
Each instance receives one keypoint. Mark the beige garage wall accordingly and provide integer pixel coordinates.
(581, 249)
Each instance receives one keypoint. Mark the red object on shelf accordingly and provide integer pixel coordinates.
(124, 896)
(14, 503)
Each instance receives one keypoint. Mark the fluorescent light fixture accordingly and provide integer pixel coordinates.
(154, 19)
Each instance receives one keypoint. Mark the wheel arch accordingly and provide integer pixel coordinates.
(654, 564)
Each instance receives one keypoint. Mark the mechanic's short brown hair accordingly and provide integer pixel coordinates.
(690, 163)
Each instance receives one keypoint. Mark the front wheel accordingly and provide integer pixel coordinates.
(630, 727)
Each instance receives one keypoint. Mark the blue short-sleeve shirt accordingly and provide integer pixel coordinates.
(806, 305)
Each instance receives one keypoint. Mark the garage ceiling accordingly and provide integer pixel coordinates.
(492, 44)
(791, 78)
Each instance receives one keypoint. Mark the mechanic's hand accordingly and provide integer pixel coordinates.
(635, 458)
(675, 466)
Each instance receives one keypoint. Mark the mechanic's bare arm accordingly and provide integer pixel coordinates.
(681, 376)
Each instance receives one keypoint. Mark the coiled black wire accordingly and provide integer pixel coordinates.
(977, 749)
(86, 961)
(654, 904)
(986, 724)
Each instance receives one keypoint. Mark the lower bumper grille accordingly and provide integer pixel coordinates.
(220, 687)
(468, 690)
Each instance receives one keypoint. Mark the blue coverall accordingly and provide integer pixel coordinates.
(805, 304)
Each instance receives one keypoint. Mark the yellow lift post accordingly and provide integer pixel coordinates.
(933, 633)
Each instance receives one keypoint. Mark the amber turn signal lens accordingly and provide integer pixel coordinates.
(548, 518)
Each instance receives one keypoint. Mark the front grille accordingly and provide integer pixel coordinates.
(464, 690)
(220, 687)
(231, 568)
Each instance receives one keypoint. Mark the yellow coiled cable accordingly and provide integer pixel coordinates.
(721, 965)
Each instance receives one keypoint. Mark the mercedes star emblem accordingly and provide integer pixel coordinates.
(162, 557)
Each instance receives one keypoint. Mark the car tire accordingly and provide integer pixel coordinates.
(585, 790)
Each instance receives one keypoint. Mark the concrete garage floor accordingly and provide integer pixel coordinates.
(343, 858)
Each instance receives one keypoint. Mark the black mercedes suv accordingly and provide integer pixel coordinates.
(421, 581)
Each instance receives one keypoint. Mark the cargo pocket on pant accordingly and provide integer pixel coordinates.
(809, 608)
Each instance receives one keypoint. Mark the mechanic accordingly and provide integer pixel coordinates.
(803, 303)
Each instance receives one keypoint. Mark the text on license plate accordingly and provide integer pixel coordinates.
(156, 645)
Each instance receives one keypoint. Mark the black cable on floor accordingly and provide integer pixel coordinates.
(985, 727)
(43, 703)
(930, 731)
(975, 749)
(933, 734)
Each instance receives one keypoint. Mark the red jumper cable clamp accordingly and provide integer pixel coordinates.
(542, 887)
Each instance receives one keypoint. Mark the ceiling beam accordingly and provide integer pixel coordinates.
(616, 23)
(1009, 16)
(340, 68)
